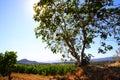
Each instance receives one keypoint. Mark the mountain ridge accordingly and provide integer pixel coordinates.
(26, 61)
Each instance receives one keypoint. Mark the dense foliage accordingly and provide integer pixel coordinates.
(70, 26)
(46, 69)
(7, 63)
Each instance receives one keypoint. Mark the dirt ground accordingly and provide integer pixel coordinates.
(108, 72)
(19, 76)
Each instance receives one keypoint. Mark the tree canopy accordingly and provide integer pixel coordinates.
(70, 26)
(7, 63)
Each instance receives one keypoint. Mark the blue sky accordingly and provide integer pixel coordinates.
(17, 33)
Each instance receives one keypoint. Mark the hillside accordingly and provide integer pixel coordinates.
(25, 61)
(108, 72)
(92, 73)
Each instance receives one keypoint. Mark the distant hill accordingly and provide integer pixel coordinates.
(103, 59)
(25, 61)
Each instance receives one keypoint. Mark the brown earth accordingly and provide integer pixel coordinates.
(19, 76)
(108, 72)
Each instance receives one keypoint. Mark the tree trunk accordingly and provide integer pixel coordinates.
(78, 62)
(82, 55)
(83, 48)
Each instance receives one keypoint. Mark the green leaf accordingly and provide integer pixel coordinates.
(65, 25)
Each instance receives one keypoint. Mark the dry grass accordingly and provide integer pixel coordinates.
(19, 76)
(109, 72)
(116, 64)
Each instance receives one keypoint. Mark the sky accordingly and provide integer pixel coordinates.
(17, 33)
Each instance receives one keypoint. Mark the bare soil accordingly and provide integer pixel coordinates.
(19, 76)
